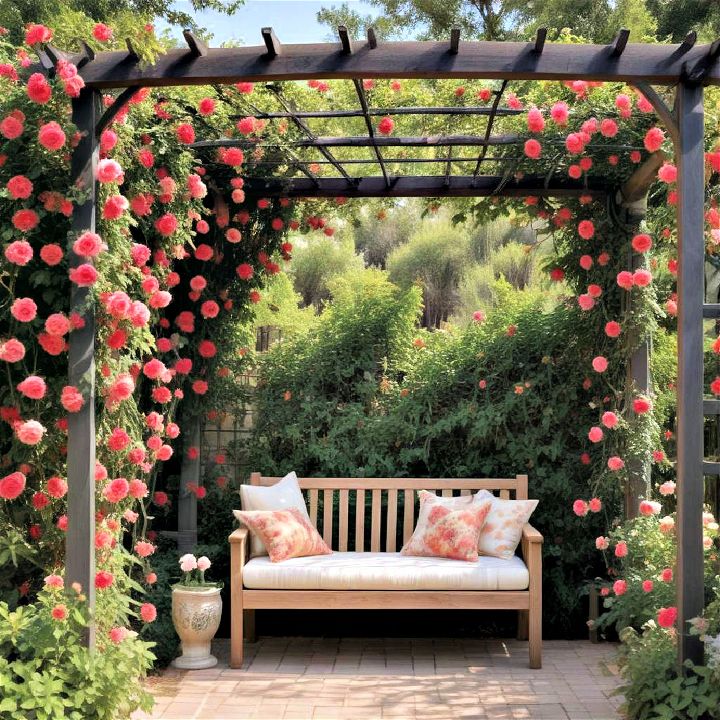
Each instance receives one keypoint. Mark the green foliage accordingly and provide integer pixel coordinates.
(652, 687)
(15, 14)
(663, 367)
(280, 307)
(46, 673)
(435, 258)
(318, 261)
(378, 234)
(317, 389)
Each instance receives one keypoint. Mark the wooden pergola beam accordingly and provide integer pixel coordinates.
(421, 186)
(360, 90)
(440, 110)
(366, 141)
(656, 64)
(636, 187)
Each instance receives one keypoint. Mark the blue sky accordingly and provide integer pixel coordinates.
(293, 20)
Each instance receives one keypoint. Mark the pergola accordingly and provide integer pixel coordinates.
(687, 67)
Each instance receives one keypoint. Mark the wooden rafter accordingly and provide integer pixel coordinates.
(311, 138)
(622, 61)
(379, 112)
(489, 127)
(421, 186)
(371, 131)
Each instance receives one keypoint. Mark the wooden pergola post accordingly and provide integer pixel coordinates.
(690, 152)
(187, 500)
(80, 538)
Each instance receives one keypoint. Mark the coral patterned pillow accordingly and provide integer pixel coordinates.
(504, 525)
(444, 531)
(285, 533)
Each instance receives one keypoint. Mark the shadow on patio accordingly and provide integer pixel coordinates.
(370, 679)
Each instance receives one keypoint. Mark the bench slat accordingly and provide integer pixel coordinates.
(408, 515)
(391, 520)
(360, 521)
(375, 520)
(328, 516)
(504, 494)
(380, 599)
(343, 521)
(402, 483)
(313, 506)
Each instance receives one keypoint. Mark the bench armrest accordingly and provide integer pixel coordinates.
(238, 556)
(531, 535)
(238, 536)
(531, 544)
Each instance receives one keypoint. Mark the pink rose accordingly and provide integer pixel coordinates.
(33, 387)
(19, 252)
(109, 171)
(71, 399)
(88, 244)
(30, 432)
(12, 485)
(148, 612)
(24, 309)
(12, 350)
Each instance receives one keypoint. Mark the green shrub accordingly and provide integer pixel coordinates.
(318, 261)
(46, 673)
(652, 687)
(436, 258)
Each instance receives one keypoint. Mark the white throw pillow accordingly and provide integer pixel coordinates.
(503, 527)
(283, 495)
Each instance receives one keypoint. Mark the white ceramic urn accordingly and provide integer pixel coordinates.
(196, 615)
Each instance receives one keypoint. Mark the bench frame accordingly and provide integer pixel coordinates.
(528, 602)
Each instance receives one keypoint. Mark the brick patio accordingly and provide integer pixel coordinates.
(369, 679)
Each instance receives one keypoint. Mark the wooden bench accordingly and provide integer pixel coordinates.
(384, 516)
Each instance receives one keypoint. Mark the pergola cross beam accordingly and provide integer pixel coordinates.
(657, 64)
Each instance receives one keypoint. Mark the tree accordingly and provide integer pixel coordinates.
(317, 262)
(479, 19)
(378, 234)
(355, 22)
(436, 258)
(675, 18)
(594, 20)
(15, 14)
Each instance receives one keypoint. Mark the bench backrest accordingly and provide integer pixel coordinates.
(389, 504)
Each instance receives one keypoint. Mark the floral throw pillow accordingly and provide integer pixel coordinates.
(503, 528)
(283, 495)
(445, 531)
(284, 533)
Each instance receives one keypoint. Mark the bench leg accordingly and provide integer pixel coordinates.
(236, 605)
(534, 563)
(236, 635)
(522, 629)
(535, 635)
(249, 625)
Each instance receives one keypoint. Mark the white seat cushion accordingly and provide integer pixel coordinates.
(385, 571)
